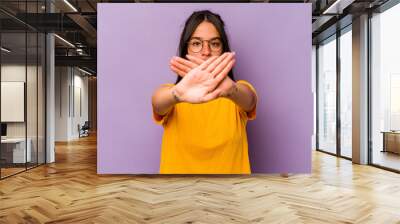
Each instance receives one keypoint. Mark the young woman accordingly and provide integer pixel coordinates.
(204, 114)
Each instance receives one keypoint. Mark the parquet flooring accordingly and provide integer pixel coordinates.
(70, 191)
(10, 171)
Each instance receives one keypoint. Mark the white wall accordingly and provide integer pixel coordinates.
(33, 127)
(62, 80)
(81, 84)
(12, 73)
(71, 93)
(15, 72)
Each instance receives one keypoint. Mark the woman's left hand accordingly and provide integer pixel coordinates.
(182, 66)
(227, 87)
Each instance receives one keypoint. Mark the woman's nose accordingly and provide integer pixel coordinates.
(206, 49)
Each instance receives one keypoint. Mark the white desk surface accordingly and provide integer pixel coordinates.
(13, 140)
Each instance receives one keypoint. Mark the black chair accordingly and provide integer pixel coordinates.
(84, 130)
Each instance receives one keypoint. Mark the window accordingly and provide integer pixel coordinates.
(327, 95)
(346, 75)
(385, 88)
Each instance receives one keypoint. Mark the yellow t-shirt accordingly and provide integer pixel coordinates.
(207, 138)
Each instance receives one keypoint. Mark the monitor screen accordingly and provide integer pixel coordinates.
(3, 129)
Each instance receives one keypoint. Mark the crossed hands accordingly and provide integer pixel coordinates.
(203, 81)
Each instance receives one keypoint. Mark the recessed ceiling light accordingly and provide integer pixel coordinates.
(64, 40)
(5, 50)
(337, 7)
(84, 71)
(70, 5)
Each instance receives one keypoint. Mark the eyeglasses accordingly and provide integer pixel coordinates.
(196, 44)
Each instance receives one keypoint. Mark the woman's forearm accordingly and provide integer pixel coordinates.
(243, 96)
(164, 99)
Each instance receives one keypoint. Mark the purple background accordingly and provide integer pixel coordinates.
(273, 48)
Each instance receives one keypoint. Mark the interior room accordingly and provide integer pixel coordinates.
(49, 171)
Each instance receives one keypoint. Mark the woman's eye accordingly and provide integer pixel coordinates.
(196, 44)
(216, 44)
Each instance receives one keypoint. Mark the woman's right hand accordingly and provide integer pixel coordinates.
(199, 84)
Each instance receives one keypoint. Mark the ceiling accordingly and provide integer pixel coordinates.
(77, 22)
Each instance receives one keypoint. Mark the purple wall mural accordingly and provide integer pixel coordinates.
(273, 51)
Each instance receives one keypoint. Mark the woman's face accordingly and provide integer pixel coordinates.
(205, 41)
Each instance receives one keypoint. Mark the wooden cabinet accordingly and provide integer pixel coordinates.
(391, 142)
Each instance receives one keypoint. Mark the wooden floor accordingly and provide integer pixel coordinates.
(70, 191)
(5, 172)
(387, 159)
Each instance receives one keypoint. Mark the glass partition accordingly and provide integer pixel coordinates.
(22, 63)
(385, 89)
(13, 109)
(327, 96)
(32, 95)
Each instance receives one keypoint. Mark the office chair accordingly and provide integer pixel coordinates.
(84, 130)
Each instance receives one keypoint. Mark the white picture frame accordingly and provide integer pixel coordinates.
(12, 101)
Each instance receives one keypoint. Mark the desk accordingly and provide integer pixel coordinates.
(15, 148)
(391, 141)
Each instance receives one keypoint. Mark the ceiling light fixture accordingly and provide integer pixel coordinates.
(331, 7)
(337, 7)
(86, 72)
(5, 50)
(70, 5)
(65, 41)
(79, 51)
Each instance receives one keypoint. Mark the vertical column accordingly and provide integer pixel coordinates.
(50, 92)
(360, 90)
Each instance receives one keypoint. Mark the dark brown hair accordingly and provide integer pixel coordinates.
(190, 26)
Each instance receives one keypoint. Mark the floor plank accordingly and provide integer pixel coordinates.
(70, 191)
